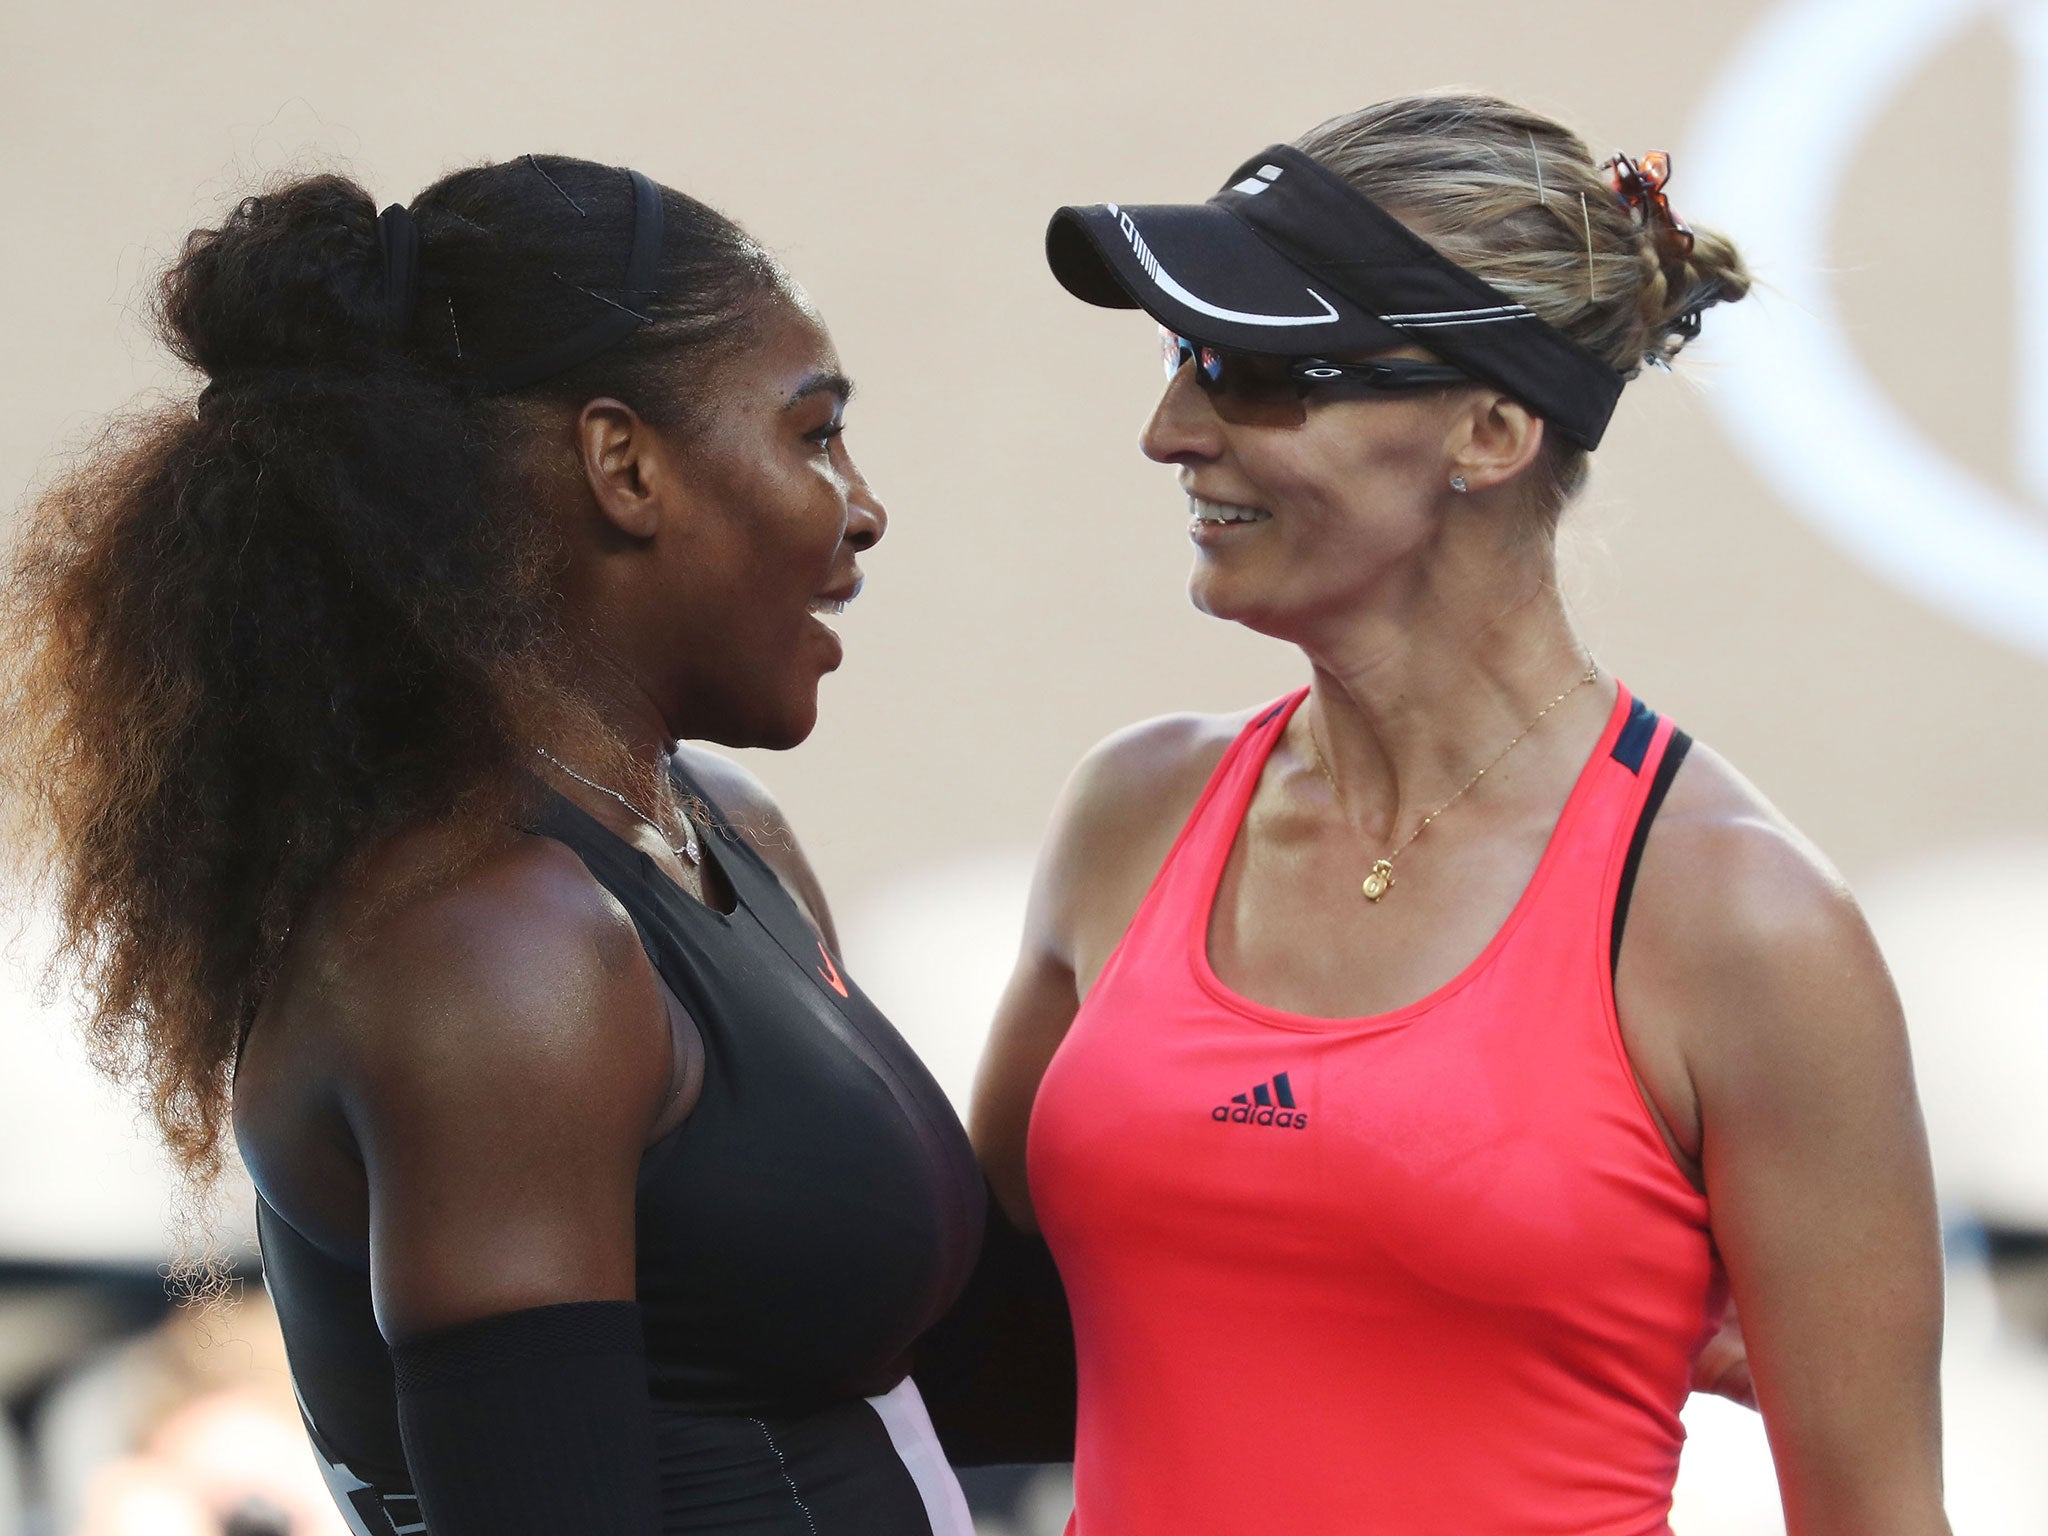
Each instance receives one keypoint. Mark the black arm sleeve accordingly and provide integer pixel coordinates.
(997, 1372)
(532, 1423)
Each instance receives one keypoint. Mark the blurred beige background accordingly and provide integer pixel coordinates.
(903, 158)
(1822, 545)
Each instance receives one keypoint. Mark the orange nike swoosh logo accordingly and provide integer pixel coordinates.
(829, 973)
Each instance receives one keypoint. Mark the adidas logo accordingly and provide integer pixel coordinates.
(1268, 1104)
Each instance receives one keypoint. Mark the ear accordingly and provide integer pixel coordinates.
(1494, 442)
(628, 466)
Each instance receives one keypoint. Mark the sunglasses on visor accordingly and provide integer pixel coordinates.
(1250, 389)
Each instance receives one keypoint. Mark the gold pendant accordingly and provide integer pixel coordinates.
(1380, 881)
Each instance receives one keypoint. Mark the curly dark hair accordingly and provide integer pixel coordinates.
(254, 636)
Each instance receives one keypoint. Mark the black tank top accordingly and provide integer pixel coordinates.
(818, 1210)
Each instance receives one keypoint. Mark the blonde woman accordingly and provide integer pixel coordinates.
(1415, 1066)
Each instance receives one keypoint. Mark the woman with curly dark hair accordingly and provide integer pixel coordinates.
(593, 1195)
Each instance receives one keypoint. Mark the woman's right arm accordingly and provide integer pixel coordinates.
(1032, 1019)
(1112, 828)
(998, 1373)
(508, 1053)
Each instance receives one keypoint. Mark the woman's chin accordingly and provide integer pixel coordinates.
(1221, 596)
(767, 721)
(793, 724)
(1260, 612)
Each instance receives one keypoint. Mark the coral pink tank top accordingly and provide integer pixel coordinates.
(1430, 1273)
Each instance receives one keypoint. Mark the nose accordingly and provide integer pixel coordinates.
(1184, 428)
(866, 518)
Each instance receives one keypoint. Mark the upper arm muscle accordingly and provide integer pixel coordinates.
(512, 1051)
(1763, 973)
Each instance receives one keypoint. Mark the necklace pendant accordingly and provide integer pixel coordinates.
(1380, 881)
(691, 849)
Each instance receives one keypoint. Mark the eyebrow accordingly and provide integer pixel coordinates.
(821, 383)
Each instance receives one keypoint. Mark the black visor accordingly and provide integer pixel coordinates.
(1288, 259)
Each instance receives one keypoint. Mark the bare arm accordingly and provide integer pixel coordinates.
(1032, 1019)
(1111, 830)
(1749, 951)
(510, 1052)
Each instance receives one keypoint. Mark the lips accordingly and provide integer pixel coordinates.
(833, 600)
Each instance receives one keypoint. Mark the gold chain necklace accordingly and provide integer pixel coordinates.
(1381, 879)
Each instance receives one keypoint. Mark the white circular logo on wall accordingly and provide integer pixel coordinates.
(1783, 121)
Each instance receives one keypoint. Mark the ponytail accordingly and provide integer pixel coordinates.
(252, 636)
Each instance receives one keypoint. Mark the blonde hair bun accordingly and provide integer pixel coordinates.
(1517, 198)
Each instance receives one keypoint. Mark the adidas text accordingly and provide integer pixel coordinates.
(1270, 1103)
(1249, 1114)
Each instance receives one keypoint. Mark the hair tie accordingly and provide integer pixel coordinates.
(1640, 186)
(399, 238)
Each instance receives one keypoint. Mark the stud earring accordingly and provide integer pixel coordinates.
(1458, 484)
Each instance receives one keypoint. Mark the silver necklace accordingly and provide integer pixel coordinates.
(691, 848)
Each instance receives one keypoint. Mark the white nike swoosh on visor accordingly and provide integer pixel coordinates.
(1173, 289)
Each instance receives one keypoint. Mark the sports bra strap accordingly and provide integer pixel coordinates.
(1668, 760)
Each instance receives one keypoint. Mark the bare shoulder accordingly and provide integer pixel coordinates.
(519, 975)
(496, 1051)
(748, 811)
(1116, 821)
(1166, 756)
(1744, 927)
(1756, 966)
(1732, 869)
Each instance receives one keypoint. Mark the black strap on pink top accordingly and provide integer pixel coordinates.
(1630, 749)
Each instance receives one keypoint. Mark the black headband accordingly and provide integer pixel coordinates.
(399, 238)
(1289, 259)
(620, 318)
